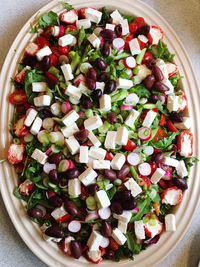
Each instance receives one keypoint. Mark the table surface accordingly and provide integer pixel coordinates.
(183, 16)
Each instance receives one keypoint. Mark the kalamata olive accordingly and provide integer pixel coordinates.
(158, 157)
(92, 74)
(71, 173)
(110, 175)
(110, 87)
(76, 249)
(129, 204)
(91, 84)
(81, 135)
(103, 77)
(55, 231)
(46, 63)
(112, 118)
(96, 94)
(144, 30)
(71, 207)
(123, 195)
(116, 207)
(150, 63)
(180, 183)
(161, 87)
(149, 81)
(92, 189)
(106, 229)
(86, 103)
(109, 254)
(35, 213)
(108, 35)
(53, 177)
(101, 64)
(177, 117)
(55, 158)
(29, 61)
(123, 172)
(105, 49)
(45, 113)
(157, 73)
(118, 30)
(154, 98)
(55, 201)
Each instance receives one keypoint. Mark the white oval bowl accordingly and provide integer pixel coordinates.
(50, 253)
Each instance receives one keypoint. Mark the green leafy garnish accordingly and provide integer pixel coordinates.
(129, 18)
(48, 19)
(175, 79)
(165, 142)
(105, 17)
(111, 192)
(161, 51)
(66, 5)
(140, 91)
(33, 29)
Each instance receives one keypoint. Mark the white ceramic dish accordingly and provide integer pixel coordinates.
(30, 232)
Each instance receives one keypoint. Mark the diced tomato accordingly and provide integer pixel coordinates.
(113, 244)
(139, 21)
(185, 143)
(162, 184)
(159, 135)
(47, 31)
(71, 28)
(18, 97)
(109, 156)
(162, 120)
(154, 166)
(133, 27)
(172, 195)
(127, 40)
(155, 110)
(147, 57)
(153, 227)
(53, 60)
(15, 153)
(171, 127)
(130, 145)
(142, 45)
(19, 127)
(19, 167)
(42, 41)
(64, 49)
(145, 180)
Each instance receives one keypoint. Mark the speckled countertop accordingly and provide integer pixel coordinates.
(184, 17)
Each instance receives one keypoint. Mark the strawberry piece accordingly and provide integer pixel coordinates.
(15, 153)
(172, 195)
(185, 143)
(69, 17)
(25, 187)
(31, 49)
(153, 227)
(172, 68)
(155, 34)
(19, 127)
(20, 76)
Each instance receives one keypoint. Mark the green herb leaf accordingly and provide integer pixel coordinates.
(18, 195)
(131, 243)
(160, 108)
(48, 19)
(111, 192)
(175, 79)
(81, 36)
(66, 5)
(105, 17)
(140, 91)
(33, 29)
(165, 142)
(161, 51)
(129, 18)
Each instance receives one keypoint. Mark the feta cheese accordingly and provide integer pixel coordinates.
(149, 118)
(95, 255)
(134, 47)
(90, 162)
(73, 91)
(163, 67)
(102, 198)
(93, 15)
(105, 103)
(69, 131)
(143, 38)
(118, 161)
(94, 241)
(39, 156)
(156, 35)
(87, 176)
(83, 156)
(133, 186)
(73, 145)
(139, 229)
(185, 124)
(74, 187)
(45, 51)
(94, 40)
(157, 175)
(100, 85)
(67, 72)
(30, 116)
(122, 226)
(172, 102)
(125, 27)
(171, 162)
(66, 40)
(118, 236)
(143, 72)
(58, 213)
(101, 164)
(116, 17)
(130, 120)
(122, 136)
(110, 26)
(39, 87)
(85, 23)
(93, 123)
(181, 169)
(186, 146)
(41, 101)
(95, 141)
(97, 152)
(110, 140)
(169, 85)
(70, 118)
(124, 217)
(170, 222)
(84, 88)
(37, 124)
(124, 83)
(97, 31)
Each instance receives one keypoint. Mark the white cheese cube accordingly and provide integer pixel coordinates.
(90, 163)
(97, 31)
(94, 241)
(122, 226)
(36, 126)
(84, 88)
(143, 38)
(95, 255)
(170, 222)
(102, 198)
(94, 40)
(163, 67)
(133, 186)
(156, 35)
(149, 118)
(100, 85)
(125, 27)
(118, 236)
(39, 87)
(41, 101)
(124, 83)
(73, 145)
(130, 120)
(172, 102)
(95, 141)
(185, 124)
(66, 40)
(116, 17)
(139, 229)
(101, 164)
(73, 91)
(124, 217)
(67, 72)
(87, 176)
(70, 118)
(143, 72)
(105, 103)
(134, 47)
(171, 162)
(168, 84)
(181, 169)
(55, 30)
(157, 175)
(93, 123)
(69, 131)
(93, 15)
(97, 152)
(45, 51)
(122, 136)
(110, 26)
(58, 213)
(85, 23)
(186, 147)
(30, 116)
(39, 156)
(110, 140)
(83, 156)
(118, 161)
(74, 187)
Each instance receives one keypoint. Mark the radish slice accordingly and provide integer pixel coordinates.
(80, 78)
(65, 107)
(42, 208)
(135, 210)
(84, 67)
(118, 43)
(148, 150)
(104, 213)
(167, 176)
(144, 169)
(172, 69)
(144, 133)
(48, 124)
(28, 138)
(162, 99)
(91, 216)
(63, 165)
(71, 164)
(50, 194)
(130, 62)
(56, 109)
(126, 107)
(54, 149)
(57, 138)
(74, 226)
(129, 72)
(49, 167)
(49, 150)
(105, 242)
(133, 159)
(43, 137)
(131, 99)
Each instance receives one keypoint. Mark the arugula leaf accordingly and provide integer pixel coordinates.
(129, 18)
(18, 195)
(131, 243)
(165, 142)
(140, 90)
(33, 29)
(66, 5)
(175, 79)
(81, 36)
(37, 199)
(86, 94)
(160, 108)
(141, 206)
(48, 19)
(161, 51)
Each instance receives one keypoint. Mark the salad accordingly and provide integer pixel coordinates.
(100, 143)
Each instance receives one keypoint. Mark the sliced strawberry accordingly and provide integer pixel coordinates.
(153, 227)
(66, 245)
(172, 196)
(15, 153)
(19, 127)
(69, 17)
(20, 76)
(31, 49)
(155, 34)
(25, 187)
(185, 143)
(172, 68)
